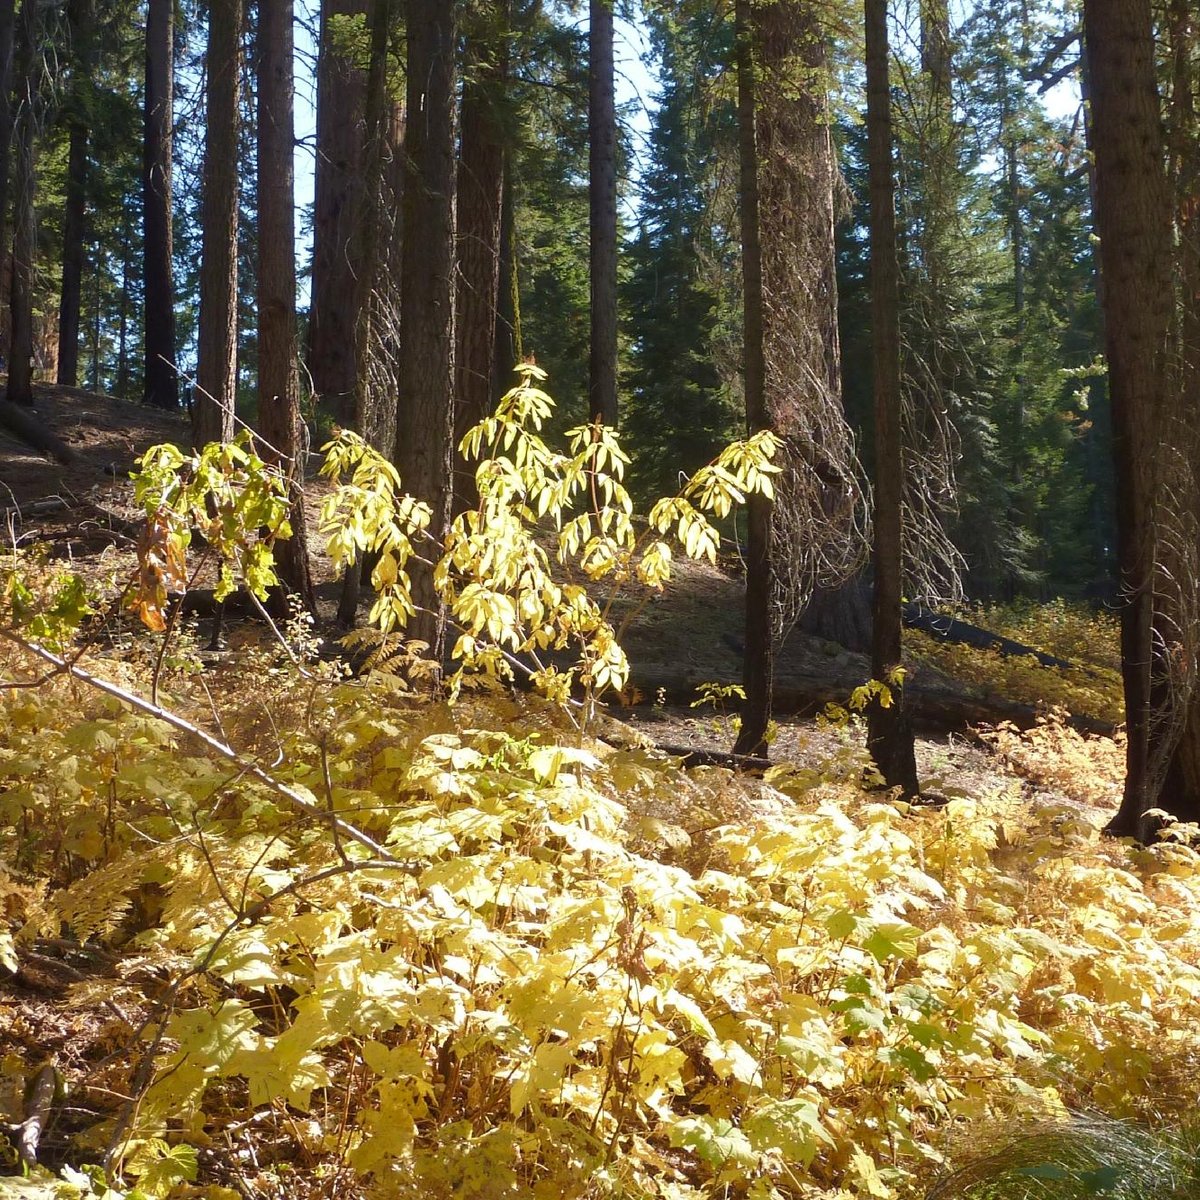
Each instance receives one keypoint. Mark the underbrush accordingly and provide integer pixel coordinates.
(298, 936)
(1055, 756)
(567, 970)
(1085, 690)
(1077, 632)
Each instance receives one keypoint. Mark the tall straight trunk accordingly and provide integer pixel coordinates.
(507, 340)
(1132, 217)
(93, 375)
(7, 25)
(602, 201)
(889, 734)
(20, 367)
(122, 380)
(1183, 778)
(161, 387)
(337, 265)
(216, 360)
(80, 22)
(279, 420)
(793, 377)
(425, 420)
(71, 295)
(481, 175)
(758, 662)
(372, 402)
(373, 242)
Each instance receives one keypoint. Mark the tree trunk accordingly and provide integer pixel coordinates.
(81, 19)
(1183, 778)
(20, 366)
(602, 200)
(508, 351)
(337, 266)
(758, 663)
(784, 124)
(374, 241)
(889, 734)
(371, 248)
(121, 386)
(7, 26)
(481, 174)
(1133, 222)
(161, 387)
(216, 360)
(425, 421)
(70, 297)
(278, 381)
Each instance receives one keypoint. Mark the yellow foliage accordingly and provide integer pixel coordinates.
(1092, 691)
(586, 972)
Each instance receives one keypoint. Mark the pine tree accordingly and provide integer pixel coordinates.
(279, 420)
(161, 386)
(680, 409)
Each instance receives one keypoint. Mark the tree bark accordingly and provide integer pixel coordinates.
(372, 249)
(7, 27)
(889, 734)
(481, 175)
(29, 106)
(758, 663)
(790, 278)
(1133, 222)
(602, 200)
(80, 20)
(161, 386)
(278, 381)
(337, 265)
(70, 296)
(374, 242)
(1183, 775)
(425, 420)
(216, 366)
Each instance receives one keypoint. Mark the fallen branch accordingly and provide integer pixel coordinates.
(215, 745)
(951, 629)
(28, 1134)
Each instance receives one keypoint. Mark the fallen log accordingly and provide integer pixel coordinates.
(951, 629)
(34, 433)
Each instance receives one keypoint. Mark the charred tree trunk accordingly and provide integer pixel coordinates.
(1133, 222)
(602, 200)
(161, 386)
(20, 367)
(371, 248)
(481, 175)
(278, 380)
(889, 734)
(75, 208)
(338, 267)
(216, 366)
(1183, 777)
(425, 421)
(758, 664)
(7, 26)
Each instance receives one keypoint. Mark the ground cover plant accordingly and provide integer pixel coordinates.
(310, 935)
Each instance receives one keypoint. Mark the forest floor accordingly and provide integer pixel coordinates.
(688, 636)
(73, 1002)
